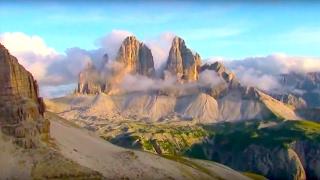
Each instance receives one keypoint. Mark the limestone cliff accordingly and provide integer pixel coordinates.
(182, 62)
(136, 57)
(21, 108)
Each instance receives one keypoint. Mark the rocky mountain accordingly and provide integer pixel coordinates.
(133, 57)
(182, 62)
(302, 92)
(303, 85)
(136, 57)
(59, 155)
(188, 100)
(21, 108)
(207, 113)
(222, 71)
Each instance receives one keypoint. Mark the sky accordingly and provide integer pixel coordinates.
(56, 39)
(231, 30)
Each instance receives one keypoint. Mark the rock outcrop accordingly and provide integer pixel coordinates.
(136, 57)
(182, 62)
(222, 71)
(21, 108)
(90, 81)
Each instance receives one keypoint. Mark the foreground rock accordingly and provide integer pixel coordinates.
(21, 108)
(22, 123)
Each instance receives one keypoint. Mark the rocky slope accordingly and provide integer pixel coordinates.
(118, 163)
(182, 62)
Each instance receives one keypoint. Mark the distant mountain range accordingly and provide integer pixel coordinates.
(186, 88)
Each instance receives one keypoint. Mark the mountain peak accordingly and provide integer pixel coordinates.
(130, 38)
(136, 57)
(182, 62)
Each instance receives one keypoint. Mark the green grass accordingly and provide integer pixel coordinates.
(171, 139)
(235, 137)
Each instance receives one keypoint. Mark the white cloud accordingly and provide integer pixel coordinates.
(278, 63)
(160, 47)
(209, 77)
(18, 42)
(31, 51)
(52, 69)
(263, 72)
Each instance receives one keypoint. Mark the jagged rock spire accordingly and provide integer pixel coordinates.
(182, 62)
(136, 57)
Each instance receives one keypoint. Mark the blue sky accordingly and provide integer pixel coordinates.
(230, 30)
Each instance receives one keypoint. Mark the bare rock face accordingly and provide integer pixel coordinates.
(304, 85)
(21, 108)
(223, 72)
(292, 100)
(182, 62)
(136, 57)
(90, 81)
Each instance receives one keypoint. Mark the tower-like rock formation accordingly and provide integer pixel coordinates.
(21, 108)
(182, 62)
(90, 81)
(136, 57)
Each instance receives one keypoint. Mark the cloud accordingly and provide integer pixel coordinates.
(52, 69)
(262, 72)
(160, 47)
(142, 83)
(111, 42)
(278, 64)
(31, 51)
(209, 78)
